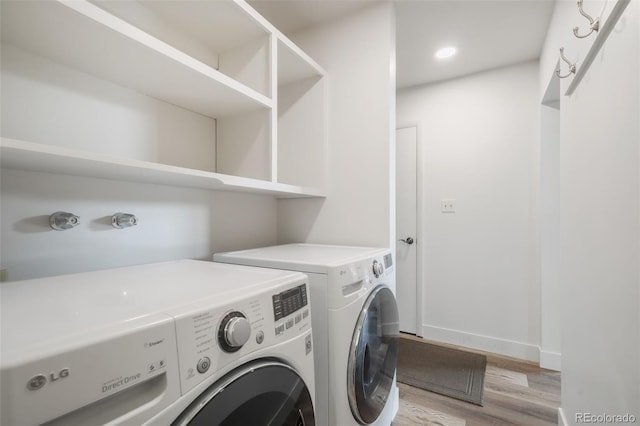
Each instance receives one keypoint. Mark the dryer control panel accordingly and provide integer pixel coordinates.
(388, 260)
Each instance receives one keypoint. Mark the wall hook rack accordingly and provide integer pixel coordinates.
(594, 24)
(572, 67)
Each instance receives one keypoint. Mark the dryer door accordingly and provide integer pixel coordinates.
(373, 356)
(260, 393)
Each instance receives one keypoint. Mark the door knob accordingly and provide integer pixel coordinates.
(407, 240)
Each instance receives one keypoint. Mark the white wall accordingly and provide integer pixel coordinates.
(174, 223)
(357, 52)
(479, 145)
(600, 221)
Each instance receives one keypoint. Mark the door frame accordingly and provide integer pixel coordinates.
(420, 237)
(549, 227)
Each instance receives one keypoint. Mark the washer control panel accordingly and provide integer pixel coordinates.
(211, 336)
(289, 301)
(290, 307)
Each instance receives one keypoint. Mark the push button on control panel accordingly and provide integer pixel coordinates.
(307, 345)
(203, 364)
(280, 329)
(259, 337)
(289, 323)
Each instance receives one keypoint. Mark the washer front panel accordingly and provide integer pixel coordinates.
(373, 356)
(76, 382)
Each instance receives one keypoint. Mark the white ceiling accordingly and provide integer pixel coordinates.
(290, 16)
(487, 33)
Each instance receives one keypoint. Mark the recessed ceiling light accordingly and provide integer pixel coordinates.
(445, 52)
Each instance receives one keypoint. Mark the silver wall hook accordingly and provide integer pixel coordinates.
(123, 220)
(594, 24)
(61, 221)
(572, 67)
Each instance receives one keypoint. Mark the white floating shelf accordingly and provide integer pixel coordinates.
(21, 155)
(85, 37)
(219, 26)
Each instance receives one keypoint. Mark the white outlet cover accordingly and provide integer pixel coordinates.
(448, 205)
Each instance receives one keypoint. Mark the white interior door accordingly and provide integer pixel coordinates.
(406, 228)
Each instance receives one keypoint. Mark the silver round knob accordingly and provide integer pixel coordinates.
(237, 332)
(378, 269)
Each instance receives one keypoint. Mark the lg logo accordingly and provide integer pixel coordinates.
(39, 380)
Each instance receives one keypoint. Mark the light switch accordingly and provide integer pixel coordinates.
(448, 205)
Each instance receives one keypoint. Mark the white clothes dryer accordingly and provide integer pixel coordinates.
(175, 343)
(355, 326)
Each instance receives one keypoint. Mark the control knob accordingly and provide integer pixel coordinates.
(234, 331)
(378, 268)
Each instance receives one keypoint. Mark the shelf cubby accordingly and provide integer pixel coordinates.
(87, 38)
(301, 117)
(203, 94)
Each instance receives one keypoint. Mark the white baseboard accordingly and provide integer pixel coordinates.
(562, 420)
(484, 343)
(550, 360)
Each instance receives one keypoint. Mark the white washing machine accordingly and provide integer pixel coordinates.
(355, 326)
(174, 343)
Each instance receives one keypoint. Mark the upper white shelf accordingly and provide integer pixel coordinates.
(294, 64)
(217, 26)
(21, 155)
(90, 39)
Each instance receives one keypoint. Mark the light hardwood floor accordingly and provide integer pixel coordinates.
(516, 392)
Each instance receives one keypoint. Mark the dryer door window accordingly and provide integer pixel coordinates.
(261, 393)
(373, 356)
